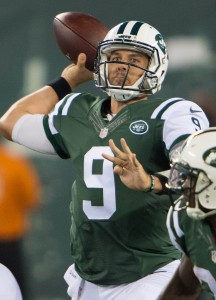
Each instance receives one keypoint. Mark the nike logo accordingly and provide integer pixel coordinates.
(194, 110)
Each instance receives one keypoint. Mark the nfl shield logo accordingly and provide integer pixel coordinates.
(213, 256)
(103, 132)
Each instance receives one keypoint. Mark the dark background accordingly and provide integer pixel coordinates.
(30, 58)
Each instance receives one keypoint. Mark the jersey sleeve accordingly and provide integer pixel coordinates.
(52, 125)
(181, 119)
(61, 125)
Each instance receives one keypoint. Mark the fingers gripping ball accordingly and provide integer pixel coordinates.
(76, 32)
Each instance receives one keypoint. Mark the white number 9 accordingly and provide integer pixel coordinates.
(104, 181)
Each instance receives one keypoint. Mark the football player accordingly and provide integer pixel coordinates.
(120, 245)
(191, 220)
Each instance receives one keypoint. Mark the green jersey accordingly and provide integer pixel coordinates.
(118, 235)
(196, 240)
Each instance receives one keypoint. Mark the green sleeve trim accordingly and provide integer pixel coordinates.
(52, 140)
(179, 139)
(159, 115)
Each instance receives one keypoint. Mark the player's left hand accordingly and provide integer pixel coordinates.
(127, 166)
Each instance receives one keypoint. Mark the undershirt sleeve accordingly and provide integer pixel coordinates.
(29, 131)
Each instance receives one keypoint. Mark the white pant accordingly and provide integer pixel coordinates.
(9, 289)
(147, 288)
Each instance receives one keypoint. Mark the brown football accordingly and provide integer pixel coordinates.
(76, 32)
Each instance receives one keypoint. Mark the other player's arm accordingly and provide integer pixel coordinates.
(130, 171)
(43, 100)
(184, 285)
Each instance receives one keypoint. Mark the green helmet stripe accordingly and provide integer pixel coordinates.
(122, 27)
(136, 28)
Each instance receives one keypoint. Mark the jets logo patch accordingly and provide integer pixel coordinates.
(139, 127)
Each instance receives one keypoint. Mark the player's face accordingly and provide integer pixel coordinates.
(187, 184)
(117, 71)
(189, 191)
(183, 181)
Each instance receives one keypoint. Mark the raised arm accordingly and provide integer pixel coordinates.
(43, 100)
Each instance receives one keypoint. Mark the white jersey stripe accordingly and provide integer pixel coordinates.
(170, 231)
(51, 115)
(178, 230)
(160, 107)
(55, 112)
(68, 103)
(205, 276)
(51, 126)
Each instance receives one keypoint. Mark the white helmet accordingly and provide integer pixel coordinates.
(193, 173)
(135, 36)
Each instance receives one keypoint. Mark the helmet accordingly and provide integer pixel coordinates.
(193, 173)
(135, 36)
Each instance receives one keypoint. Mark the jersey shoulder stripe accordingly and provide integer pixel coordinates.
(158, 112)
(74, 105)
(62, 106)
(61, 109)
(69, 100)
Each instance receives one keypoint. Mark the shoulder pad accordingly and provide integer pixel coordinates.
(158, 112)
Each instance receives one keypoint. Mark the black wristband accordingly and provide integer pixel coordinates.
(163, 180)
(61, 87)
(152, 184)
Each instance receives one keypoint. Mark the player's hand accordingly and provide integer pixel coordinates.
(127, 166)
(76, 74)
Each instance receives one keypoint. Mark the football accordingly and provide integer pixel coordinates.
(76, 32)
